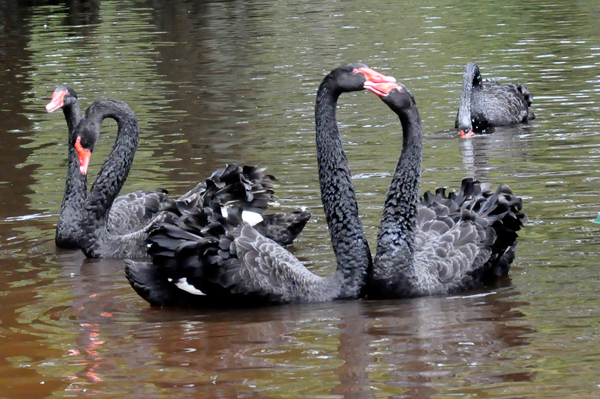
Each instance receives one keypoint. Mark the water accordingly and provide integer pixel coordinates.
(215, 82)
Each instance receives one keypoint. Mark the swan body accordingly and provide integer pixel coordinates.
(438, 244)
(133, 213)
(203, 259)
(485, 104)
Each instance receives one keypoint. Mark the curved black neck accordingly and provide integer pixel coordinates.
(72, 117)
(471, 81)
(67, 228)
(337, 192)
(395, 240)
(114, 171)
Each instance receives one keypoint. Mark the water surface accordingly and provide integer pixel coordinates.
(215, 82)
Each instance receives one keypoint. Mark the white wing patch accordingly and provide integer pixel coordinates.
(249, 217)
(182, 284)
(252, 218)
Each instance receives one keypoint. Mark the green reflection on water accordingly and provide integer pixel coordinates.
(114, 58)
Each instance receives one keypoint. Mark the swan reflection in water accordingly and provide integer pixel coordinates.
(503, 144)
(415, 348)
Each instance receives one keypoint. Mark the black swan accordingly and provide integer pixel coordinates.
(127, 213)
(118, 227)
(442, 243)
(67, 234)
(488, 104)
(202, 259)
(133, 211)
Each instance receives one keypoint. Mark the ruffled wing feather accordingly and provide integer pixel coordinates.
(466, 239)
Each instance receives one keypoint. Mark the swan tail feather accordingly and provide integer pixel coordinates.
(525, 93)
(231, 190)
(499, 213)
(469, 237)
(155, 286)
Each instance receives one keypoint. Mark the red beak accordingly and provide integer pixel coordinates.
(374, 76)
(84, 156)
(382, 89)
(467, 134)
(57, 101)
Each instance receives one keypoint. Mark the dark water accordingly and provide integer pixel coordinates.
(234, 81)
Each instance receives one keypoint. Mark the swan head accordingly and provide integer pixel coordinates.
(62, 97)
(401, 101)
(353, 77)
(464, 126)
(85, 137)
(394, 94)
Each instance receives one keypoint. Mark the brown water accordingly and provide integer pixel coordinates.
(234, 81)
